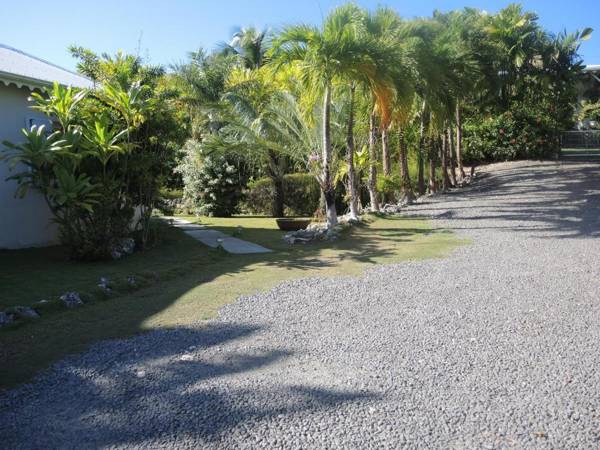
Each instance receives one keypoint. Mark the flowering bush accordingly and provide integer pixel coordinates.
(211, 183)
(515, 134)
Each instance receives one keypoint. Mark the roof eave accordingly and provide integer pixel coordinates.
(20, 81)
(32, 83)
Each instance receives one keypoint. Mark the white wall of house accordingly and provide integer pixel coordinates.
(24, 222)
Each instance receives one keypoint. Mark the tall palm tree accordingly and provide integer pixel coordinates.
(383, 27)
(202, 81)
(460, 33)
(324, 56)
(250, 44)
(513, 33)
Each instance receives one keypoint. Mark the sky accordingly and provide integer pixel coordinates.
(164, 31)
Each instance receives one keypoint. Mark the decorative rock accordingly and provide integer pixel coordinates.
(105, 285)
(391, 209)
(348, 219)
(315, 232)
(6, 318)
(26, 312)
(71, 299)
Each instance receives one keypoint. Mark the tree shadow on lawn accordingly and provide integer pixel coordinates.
(101, 398)
(193, 290)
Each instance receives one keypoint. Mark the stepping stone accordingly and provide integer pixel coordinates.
(241, 247)
(190, 226)
(209, 237)
(230, 244)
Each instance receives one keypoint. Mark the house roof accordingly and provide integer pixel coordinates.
(22, 69)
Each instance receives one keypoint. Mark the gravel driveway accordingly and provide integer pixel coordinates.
(493, 347)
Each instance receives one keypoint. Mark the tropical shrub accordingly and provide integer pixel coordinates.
(590, 111)
(302, 195)
(516, 134)
(389, 186)
(81, 167)
(212, 185)
(259, 196)
(101, 169)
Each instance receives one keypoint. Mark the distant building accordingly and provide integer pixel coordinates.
(25, 222)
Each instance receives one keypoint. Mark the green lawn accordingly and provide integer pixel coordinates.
(182, 282)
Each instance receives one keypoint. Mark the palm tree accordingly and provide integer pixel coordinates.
(403, 113)
(201, 82)
(323, 56)
(383, 28)
(461, 31)
(513, 33)
(250, 44)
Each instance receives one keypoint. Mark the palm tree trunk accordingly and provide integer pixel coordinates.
(461, 170)
(350, 159)
(444, 158)
(385, 152)
(420, 152)
(451, 156)
(372, 165)
(326, 182)
(277, 208)
(406, 188)
(277, 205)
(432, 161)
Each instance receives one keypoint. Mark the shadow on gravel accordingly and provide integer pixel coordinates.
(559, 200)
(102, 399)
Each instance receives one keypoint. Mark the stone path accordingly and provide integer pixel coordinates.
(493, 347)
(214, 238)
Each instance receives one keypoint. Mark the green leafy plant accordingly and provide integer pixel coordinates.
(212, 184)
(302, 195)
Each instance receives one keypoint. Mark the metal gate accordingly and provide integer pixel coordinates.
(581, 139)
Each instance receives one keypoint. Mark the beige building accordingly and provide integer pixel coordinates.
(25, 222)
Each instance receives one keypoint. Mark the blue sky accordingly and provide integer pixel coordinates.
(167, 29)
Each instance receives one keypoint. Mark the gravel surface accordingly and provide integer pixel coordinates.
(493, 347)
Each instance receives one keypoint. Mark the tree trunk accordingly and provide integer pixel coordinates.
(373, 165)
(432, 160)
(274, 174)
(461, 170)
(385, 152)
(406, 187)
(444, 158)
(420, 151)
(326, 182)
(277, 208)
(451, 156)
(350, 159)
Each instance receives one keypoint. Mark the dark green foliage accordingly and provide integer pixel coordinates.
(302, 194)
(389, 186)
(112, 148)
(518, 134)
(590, 112)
